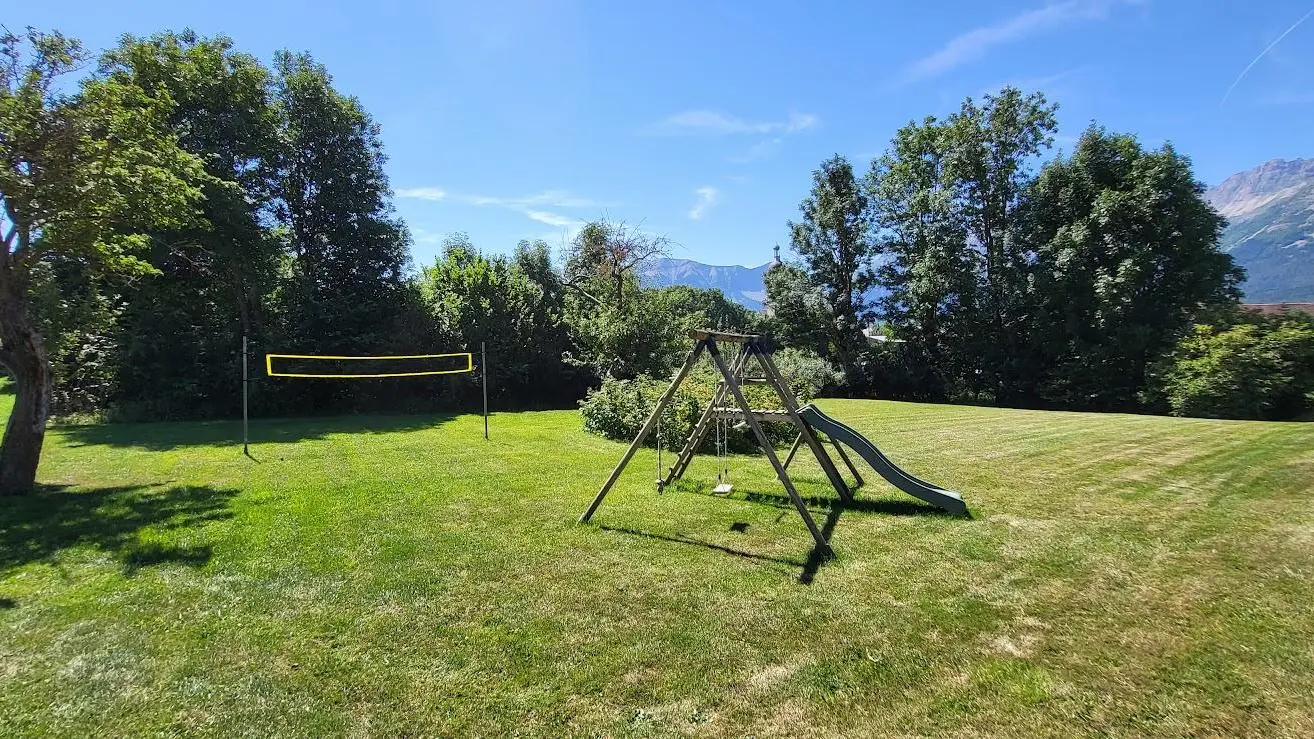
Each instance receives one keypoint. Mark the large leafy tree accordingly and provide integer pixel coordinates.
(1127, 259)
(86, 173)
(989, 151)
(181, 328)
(343, 286)
(926, 269)
(833, 238)
(350, 250)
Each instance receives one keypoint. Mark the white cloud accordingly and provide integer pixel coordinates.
(553, 219)
(531, 206)
(713, 123)
(706, 198)
(1033, 84)
(422, 193)
(974, 44)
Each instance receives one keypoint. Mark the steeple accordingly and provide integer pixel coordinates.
(775, 261)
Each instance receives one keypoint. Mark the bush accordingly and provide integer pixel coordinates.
(1261, 370)
(618, 409)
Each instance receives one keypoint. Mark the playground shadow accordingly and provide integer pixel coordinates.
(885, 506)
(703, 544)
(39, 526)
(170, 435)
(833, 507)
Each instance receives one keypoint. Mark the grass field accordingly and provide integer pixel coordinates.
(388, 576)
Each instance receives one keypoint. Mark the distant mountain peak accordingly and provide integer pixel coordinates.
(741, 284)
(1270, 212)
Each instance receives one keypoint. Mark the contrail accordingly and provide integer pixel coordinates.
(1269, 48)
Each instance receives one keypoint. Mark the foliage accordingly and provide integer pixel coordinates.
(1126, 258)
(1262, 369)
(833, 238)
(618, 409)
(797, 314)
(87, 173)
(513, 306)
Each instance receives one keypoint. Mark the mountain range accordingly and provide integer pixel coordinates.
(742, 284)
(1270, 232)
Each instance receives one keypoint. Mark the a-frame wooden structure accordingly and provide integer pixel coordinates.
(750, 349)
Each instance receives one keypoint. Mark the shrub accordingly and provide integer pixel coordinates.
(1260, 370)
(618, 408)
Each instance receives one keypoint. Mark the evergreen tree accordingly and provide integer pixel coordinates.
(833, 238)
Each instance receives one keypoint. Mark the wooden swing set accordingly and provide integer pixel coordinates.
(750, 348)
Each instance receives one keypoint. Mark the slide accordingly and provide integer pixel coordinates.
(933, 494)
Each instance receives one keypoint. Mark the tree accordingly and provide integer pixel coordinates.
(835, 244)
(1126, 260)
(181, 327)
(343, 290)
(927, 270)
(604, 257)
(1257, 369)
(988, 152)
(797, 314)
(513, 305)
(86, 175)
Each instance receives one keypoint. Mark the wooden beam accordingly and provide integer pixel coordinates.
(689, 363)
(793, 450)
(704, 334)
(770, 415)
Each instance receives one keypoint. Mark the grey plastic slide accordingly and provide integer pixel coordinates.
(933, 494)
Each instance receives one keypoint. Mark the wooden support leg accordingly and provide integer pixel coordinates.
(848, 462)
(777, 381)
(793, 449)
(689, 363)
(823, 546)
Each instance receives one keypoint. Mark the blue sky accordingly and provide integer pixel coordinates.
(511, 119)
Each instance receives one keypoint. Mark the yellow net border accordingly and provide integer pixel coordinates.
(269, 366)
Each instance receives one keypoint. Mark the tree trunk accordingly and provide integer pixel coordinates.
(24, 355)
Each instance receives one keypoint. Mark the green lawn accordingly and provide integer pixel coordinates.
(390, 576)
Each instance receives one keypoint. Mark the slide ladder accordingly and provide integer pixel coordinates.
(918, 488)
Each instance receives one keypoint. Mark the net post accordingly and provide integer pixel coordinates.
(483, 369)
(246, 381)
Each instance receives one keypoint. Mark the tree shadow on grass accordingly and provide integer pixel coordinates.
(133, 523)
(169, 435)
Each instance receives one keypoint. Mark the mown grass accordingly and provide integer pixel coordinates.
(386, 576)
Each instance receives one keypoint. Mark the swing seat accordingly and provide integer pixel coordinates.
(723, 488)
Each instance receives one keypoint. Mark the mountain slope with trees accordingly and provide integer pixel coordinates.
(1270, 233)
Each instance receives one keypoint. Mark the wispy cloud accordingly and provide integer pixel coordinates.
(713, 123)
(1263, 54)
(422, 193)
(423, 236)
(554, 219)
(976, 43)
(707, 196)
(533, 207)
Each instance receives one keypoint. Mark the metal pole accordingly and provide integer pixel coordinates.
(246, 436)
(483, 367)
